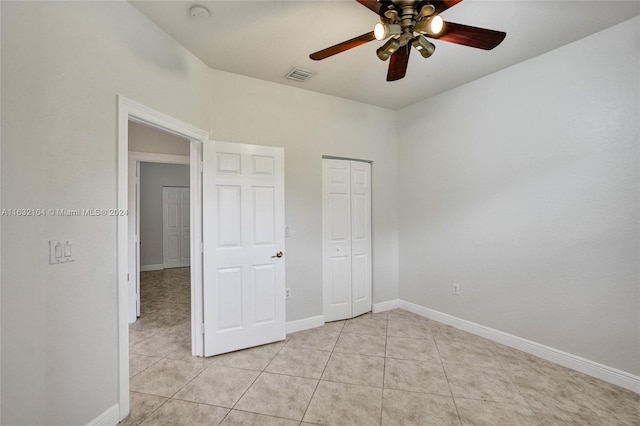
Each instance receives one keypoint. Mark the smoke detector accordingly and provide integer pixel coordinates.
(199, 13)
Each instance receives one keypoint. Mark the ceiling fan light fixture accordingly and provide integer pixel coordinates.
(400, 20)
(427, 10)
(435, 25)
(424, 46)
(388, 49)
(383, 30)
(432, 26)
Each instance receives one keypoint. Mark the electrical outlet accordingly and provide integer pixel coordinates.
(287, 293)
(456, 289)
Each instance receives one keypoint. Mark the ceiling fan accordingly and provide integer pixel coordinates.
(400, 20)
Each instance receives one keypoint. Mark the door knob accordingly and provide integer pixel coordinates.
(278, 254)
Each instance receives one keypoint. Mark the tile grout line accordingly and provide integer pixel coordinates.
(146, 368)
(524, 398)
(384, 368)
(322, 374)
(258, 414)
(169, 359)
(485, 400)
(252, 383)
(455, 404)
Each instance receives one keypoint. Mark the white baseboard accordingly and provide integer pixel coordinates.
(385, 306)
(108, 418)
(575, 362)
(304, 324)
(158, 267)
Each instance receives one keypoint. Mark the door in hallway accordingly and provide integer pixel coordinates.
(175, 227)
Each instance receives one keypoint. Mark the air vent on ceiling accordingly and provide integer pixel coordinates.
(298, 74)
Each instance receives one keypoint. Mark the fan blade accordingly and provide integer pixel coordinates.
(398, 63)
(440, 6)
(470, 36)
(379, 7)
(341, 47)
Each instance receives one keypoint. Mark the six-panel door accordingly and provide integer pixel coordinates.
(176, 231)
(243, 229)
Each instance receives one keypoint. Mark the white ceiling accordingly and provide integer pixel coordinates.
(266, 39)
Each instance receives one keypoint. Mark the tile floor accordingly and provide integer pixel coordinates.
(391, 368)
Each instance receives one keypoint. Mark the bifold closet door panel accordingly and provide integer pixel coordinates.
(336, 214)
(360, 237)
(346, 238)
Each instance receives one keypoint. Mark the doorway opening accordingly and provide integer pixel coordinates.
(128, 248)
(160, 236)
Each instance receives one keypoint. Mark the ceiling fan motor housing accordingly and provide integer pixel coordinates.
(408, 20)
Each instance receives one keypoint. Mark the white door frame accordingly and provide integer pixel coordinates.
(135, 158)
(129, 110)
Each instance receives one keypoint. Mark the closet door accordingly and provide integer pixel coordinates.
(360, 237)
(346, 217)
(336, 238)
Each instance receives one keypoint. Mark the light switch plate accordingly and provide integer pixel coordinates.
(60, 251)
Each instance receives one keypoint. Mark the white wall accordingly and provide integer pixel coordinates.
(64, 63)
(148, 139)
(523, 188)
(309, 125)
(153, 176)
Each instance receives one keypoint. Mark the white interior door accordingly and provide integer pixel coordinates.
(185, 227)
(360, 237)
(346, 216)
(136, 249)
(243, 230)
(134, 239)
(175, 227)
(336, 229)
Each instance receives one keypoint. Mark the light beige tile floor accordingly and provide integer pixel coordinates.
(392, 368)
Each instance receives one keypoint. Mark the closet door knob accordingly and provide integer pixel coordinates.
(278, 254)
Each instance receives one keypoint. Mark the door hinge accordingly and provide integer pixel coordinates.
(202, 329)
(127, 277)
(202, 247)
